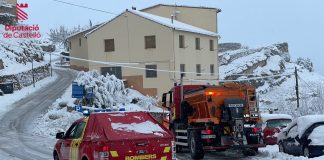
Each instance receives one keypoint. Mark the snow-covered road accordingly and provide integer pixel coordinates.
(15, 141)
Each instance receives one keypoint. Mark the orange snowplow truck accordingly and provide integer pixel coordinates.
(214, 118)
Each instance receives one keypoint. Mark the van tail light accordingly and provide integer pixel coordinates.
(267, 133)
(104, 153)
(173, 145)
(256, 130)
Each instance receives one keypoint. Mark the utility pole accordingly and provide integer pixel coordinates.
(51, 63)
(297, 88)
(33, 71)
(181, 85)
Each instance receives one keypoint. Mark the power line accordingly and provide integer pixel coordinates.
(140, 68)
(310, 87)
(76, 5)
(247, 79)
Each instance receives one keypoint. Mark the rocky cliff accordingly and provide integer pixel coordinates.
(271, 69)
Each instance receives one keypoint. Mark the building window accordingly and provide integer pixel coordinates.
(151, 71)
(117, 71)
(183, 69)
(109, 45)
(198, 69)
(79, 41)
(150, 42)
(197, 43)
(212, 69)
(181, 41)
(70, 45)
(211, 45)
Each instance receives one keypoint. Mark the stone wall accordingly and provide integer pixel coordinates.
(24, 79)
(1, 64)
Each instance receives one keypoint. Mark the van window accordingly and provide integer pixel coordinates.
(76, 131)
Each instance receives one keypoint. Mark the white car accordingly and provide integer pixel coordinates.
(303, 136)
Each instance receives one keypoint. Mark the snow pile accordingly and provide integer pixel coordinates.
(271, 152)
(272, 71)
(110, 92)
(143, 127)
(317, 136)
(57, 119)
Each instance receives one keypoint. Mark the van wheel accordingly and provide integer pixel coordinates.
(249, 152)
(196, 146)
(281, 147)
(306, 152)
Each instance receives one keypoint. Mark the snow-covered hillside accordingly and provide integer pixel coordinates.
(277, 91)
(16, 58)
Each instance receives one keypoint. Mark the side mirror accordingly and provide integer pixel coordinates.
(60, 135)
(285, 133)
(164, 97)
(297, 138)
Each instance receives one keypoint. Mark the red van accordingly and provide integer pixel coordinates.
(272, 125)
(115, 136)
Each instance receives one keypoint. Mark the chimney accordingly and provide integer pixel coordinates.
(133, 8)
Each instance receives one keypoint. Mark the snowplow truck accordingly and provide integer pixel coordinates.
(214, 118)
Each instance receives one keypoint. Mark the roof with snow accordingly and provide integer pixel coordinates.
(162, 21)
(185, 6)
(83, 31)
(265, 116)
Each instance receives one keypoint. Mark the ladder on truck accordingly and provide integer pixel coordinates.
(181, 135)
(252, 102)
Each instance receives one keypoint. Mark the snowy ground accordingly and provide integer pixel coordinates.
(272, 152)
(9, 99)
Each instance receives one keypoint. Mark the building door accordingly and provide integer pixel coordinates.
(117, 71)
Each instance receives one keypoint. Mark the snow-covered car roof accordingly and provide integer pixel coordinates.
(303, 123)
(266, 116)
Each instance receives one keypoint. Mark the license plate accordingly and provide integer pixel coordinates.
(208, 136)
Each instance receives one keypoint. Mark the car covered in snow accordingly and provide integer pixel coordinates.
(272, 124)
(115, 136)
(303, 136)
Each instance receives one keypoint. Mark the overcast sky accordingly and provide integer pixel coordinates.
(251, 22)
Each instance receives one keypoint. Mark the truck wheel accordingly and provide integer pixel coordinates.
(179, 149)
(249, 152)
(196, 145)
(55, 156)
(306, 152)
(281, 147)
